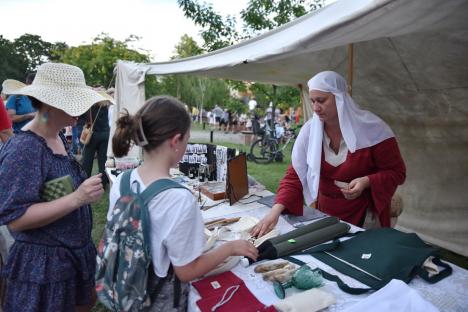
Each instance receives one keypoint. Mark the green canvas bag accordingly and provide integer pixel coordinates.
(375, 257)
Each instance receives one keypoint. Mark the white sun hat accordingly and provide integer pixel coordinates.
(10, 86)
(62, 86)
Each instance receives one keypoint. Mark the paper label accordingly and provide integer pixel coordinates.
(366, 256)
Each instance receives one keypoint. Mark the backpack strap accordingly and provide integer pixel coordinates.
(125, 183)
(157, 187)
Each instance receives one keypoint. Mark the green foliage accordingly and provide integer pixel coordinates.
(194, 91)
(266, 14)
(12, 64)
(98, 59)
(34, 49)
(284, 97)
(235, 105)
(187, 47)
(260, 15)
(24, 54)
(218, 31)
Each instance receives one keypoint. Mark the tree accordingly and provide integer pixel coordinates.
(218, 31)
(260, 15)
(24, 54)
(98, 59)
(200, 92)
(266, 14)
(12, 64)
(187, 47)
(34, 49)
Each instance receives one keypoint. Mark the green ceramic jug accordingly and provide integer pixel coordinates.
(304, 278)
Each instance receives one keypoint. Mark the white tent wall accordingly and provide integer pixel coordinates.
(410, 68)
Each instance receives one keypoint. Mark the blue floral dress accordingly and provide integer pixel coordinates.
(50, 268)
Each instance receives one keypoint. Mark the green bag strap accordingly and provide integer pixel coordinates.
(146, 196)
(125, 183)
(157, 187)
(333, 278)
(441, 275)
(151, 191)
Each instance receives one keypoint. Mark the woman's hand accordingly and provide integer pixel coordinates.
(268, 222)
(355, 188)
(89, 191)
(244, 248)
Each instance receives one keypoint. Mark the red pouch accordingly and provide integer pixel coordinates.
(236, 299)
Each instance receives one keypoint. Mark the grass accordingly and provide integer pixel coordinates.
(268, 175)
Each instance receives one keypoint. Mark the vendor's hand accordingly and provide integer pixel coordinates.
(89, 191)
(268, 222)
(355, 188)
(244, 248)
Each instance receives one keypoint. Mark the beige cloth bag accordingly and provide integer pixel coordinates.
(310, 300)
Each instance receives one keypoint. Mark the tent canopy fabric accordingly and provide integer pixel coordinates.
(410, 68)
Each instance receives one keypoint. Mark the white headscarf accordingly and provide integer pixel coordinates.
(359, 128)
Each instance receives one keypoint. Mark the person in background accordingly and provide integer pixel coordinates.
(19, 107)
(51, 264)
(224, 122)
(5, 124)
(345, 159)
(77, 146)
(97, 116)
(162, 128)
(218, 114)
(297, 115)
(252, 104)
(195, 113)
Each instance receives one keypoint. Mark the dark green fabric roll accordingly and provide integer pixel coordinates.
(305, 229)
(311, 239)
(293, 244)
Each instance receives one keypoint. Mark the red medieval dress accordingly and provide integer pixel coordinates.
(382, 163)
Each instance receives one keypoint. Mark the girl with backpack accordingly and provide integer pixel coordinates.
(162, 128)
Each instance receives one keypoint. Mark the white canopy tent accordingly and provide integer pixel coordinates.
(410, 67)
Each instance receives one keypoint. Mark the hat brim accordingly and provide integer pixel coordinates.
(106, 96)
(11, 86)
(75, 101)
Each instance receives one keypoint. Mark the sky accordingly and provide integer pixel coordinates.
(160, 23)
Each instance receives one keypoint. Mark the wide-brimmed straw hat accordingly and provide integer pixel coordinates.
(62, 86)
(10, 86)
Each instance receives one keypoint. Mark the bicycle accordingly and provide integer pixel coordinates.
(267, 148)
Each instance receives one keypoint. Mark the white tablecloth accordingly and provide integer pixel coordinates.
(450, 294)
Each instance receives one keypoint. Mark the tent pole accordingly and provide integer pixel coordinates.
(350, 68)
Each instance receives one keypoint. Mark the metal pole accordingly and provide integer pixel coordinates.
(211, 136)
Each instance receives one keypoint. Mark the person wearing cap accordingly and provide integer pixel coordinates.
(52, 262)
(345, 159)
(19, 107)
(5, 124)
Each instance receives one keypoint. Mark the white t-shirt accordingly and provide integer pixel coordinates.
(177, 228)
(252, 104)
